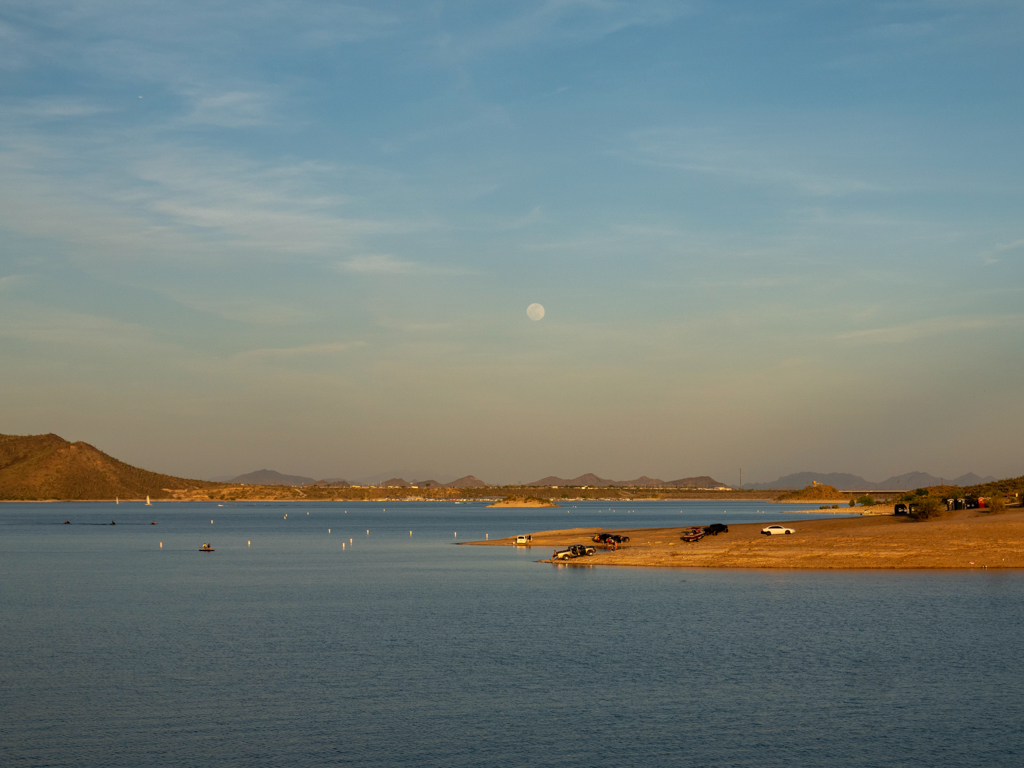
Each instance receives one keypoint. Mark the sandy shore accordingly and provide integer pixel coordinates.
(968, 539)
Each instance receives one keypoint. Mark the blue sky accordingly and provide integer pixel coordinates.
(303, 235)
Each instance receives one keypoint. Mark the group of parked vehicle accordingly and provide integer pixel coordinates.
(694, 533)
(697, 532)
(610, 538)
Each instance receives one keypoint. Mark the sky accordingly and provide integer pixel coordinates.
(303, 236)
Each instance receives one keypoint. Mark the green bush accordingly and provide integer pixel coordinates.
(853, 502)
(926, 507)
(866, 501)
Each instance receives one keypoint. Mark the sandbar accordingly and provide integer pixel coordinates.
(957, 540)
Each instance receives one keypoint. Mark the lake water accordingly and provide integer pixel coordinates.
(407, 650)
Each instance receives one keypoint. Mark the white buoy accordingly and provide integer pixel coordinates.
(487, 537)
(410, 533)
(328, 530)
(343, 545)
(211, 522)
(248, 543)
(456, 534)
(350, 541)
(161, 545)
(367, 531)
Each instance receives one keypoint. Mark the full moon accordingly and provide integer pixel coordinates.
(535, 311)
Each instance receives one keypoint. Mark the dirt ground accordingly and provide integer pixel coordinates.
(966, 539)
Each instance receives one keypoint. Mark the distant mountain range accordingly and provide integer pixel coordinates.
(47, 467)
(641, 482)
(840, 480)
(847, 482)
(270, 477)
(469, 481)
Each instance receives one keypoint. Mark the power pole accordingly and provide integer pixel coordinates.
(741, 478)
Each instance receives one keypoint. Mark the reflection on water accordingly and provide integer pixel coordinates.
(283, 648)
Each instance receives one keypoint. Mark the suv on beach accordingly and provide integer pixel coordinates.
(716, 528)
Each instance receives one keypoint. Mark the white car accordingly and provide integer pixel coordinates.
(771, 530)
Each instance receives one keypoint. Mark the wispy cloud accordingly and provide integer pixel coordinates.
(235, 109)
(935, 326)
(56, 108)
(378, 264)
(564, 21)
(386, 264)
(1001, 251)
(292, 353)
(739, 160)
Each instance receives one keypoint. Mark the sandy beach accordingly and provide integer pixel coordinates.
(961, 540)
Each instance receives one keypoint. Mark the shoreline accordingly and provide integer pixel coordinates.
(964, 540)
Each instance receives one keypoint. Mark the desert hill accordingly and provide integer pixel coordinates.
(49, 467)
(695, 482)
(815, 493)
(270, 477)
(469, 481)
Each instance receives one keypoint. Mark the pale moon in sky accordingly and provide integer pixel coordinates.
(535, 311)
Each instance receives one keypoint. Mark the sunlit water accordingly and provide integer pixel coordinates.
(407, 650)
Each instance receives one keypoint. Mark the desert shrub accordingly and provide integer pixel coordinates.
(853, 502)
(997, 504)
(921, 492)
(866, 501)
(835, 506)
(926, 507)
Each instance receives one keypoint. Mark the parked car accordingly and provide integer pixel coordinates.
(692, 534)
(601, 538)
(773, 530)
(716, 528)
(609, 538)
(579, 550)
(524, 539)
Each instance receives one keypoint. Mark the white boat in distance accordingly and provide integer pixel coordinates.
(147, 502)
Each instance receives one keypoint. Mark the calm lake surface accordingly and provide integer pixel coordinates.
(407, 650)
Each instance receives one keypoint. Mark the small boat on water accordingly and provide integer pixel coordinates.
(206, 548)
(147, 502)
